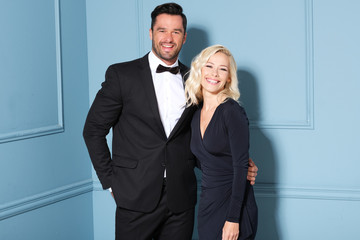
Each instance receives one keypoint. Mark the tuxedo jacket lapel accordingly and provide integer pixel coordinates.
(146, 77)
(147, 83)
(188, 111)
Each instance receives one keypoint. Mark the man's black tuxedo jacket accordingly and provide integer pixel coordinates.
(140, 149)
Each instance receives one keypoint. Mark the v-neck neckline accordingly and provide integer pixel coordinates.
(211, 120)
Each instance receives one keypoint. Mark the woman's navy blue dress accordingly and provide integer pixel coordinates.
(223, 155)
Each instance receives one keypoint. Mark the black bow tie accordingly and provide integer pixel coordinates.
(173, 70)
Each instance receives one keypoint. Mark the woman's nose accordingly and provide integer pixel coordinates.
(215, 72)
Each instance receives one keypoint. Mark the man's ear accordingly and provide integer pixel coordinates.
(184, 39)
(150, 34)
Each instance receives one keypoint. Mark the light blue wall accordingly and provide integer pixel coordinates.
(297, 65)
(45, 175)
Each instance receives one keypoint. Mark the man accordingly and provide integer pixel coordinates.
(151, 169)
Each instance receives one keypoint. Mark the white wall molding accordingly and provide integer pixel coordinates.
(36, 201)
(59, 125)
(339, 194)
(309, 124)
(263, 190)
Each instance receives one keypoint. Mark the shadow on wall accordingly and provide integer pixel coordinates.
(196, 41)
(261, 151)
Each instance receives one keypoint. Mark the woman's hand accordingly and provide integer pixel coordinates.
(252, 172)
(230, 231)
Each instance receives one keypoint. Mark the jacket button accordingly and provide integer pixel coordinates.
(163, 164)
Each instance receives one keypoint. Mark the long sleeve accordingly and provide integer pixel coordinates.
(238, 132)
(102, 116)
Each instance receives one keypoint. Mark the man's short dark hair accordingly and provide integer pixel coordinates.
(168, 8)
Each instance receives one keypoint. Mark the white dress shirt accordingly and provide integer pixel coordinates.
(169, 89)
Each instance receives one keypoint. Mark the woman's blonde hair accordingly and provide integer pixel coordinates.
(193, 89)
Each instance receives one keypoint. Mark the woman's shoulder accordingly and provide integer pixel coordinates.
(232, 105)
(233, 110)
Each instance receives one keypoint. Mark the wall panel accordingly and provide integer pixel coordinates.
(45, 178)
(274, 57)
(31, 62)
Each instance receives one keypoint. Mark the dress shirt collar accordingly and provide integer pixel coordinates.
(154, 62)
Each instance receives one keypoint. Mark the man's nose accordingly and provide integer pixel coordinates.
(168, 36)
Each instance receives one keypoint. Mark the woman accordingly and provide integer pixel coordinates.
(220, 142)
